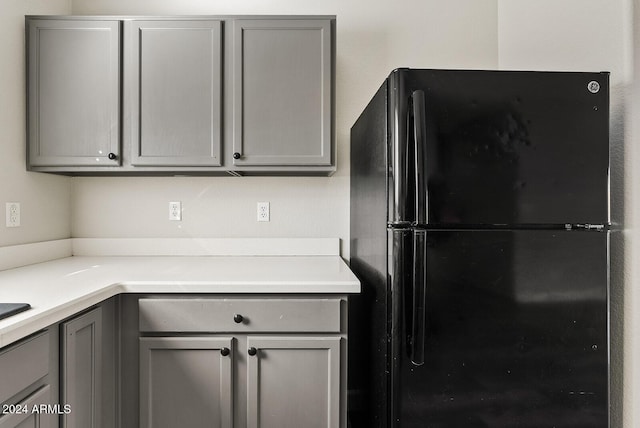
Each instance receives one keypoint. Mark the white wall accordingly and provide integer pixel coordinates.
(594, 35)
(372, 39)
(574, 35)
(44, 199)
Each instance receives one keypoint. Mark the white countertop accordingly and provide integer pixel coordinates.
(58, 289)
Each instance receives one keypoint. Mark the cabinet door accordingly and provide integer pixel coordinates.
(282, 92)
(73, 92)
(293, 382)
(186, 382)
(82, 370)
(30, 414)
(173, 92)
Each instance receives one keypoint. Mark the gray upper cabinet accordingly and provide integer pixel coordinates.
(173, 77)
(207, 95)
(73, 92)
(282, 92)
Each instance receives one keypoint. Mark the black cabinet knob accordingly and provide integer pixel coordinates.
(238, 318)
(224, 352)
(252, 351)
(112, 156)
(236, 155)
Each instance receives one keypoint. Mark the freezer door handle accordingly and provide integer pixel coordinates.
(419, 149)
(419, 297)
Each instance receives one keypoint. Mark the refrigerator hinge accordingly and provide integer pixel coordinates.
(584, 226)
(399, 225)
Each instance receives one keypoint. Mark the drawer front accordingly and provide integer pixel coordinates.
(240, 315)
(23, 364)
(27, 418)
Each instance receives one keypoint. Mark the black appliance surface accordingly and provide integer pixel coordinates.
(498, 148)
(480, 233)
(9, 309)
(516, 332)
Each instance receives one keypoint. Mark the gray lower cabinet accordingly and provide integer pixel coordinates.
(27, 370)
(82, 370)
(186, 382)
(88, 367)
(282, 92)
(293, 382)
(242, 362)
(173, 89)
(26, 417)
(73, 92)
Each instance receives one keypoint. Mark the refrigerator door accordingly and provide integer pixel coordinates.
(516, 333)
(502, 147)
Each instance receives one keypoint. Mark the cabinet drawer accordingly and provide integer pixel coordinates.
(26, 418)
(240, 315)
(23, 364)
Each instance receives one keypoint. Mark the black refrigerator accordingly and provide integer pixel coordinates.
(480, 233)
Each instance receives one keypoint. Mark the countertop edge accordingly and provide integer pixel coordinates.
(40, 320)
(42, 316)
(36, 321)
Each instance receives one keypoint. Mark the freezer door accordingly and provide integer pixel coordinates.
(516, 333)
(503, 147)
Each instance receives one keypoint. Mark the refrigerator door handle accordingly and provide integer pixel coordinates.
(419, 147)
(419, 300)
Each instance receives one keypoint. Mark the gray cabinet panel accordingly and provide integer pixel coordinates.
(28, 418)
(23, 364)
(186, 382)
(282, 92)
(293, 382)
(277, 89)
(73, 92)
(174, 92)
(82, 370)
(257, 315)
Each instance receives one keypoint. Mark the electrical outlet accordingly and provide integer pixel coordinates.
(175, 211)
(263, 211)
(13, 214)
